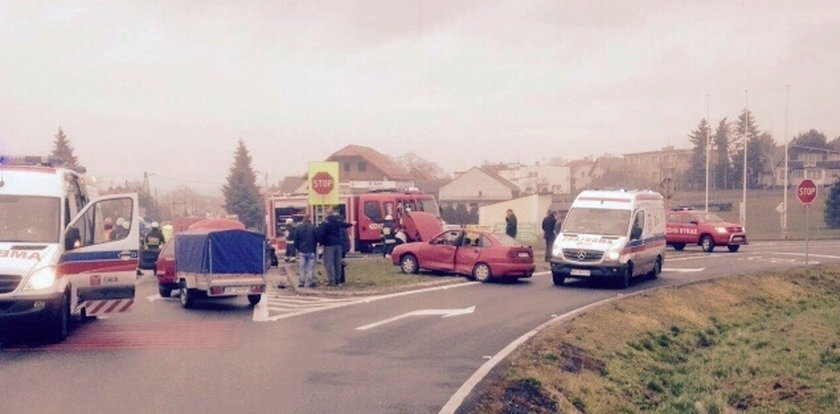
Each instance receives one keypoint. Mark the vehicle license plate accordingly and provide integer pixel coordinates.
(524, 254)
(237, 290)
(581, 272)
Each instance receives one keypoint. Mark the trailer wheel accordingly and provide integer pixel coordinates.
(254, 299)
(187, 296)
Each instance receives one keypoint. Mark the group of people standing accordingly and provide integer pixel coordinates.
(303, 240)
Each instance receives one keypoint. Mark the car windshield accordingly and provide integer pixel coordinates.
(29, 219)
(707, 217)
(506, 240)
(429, 206)
(608, 222)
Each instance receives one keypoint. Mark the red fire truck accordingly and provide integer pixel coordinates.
(367, 210)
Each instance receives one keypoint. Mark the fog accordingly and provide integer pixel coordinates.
(168, 87)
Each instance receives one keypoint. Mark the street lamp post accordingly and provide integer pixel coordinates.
(746, 139)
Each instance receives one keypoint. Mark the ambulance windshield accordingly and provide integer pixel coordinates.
(29, 219)
(606, 222)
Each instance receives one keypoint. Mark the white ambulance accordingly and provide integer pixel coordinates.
(611, 234)
(58, 256)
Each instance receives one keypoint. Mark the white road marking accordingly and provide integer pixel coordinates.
(678, 270)
(444, 313)
(458, 398)
(291, 306)
(825, 256)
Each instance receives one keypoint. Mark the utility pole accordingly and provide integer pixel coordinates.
(746, 138)
(708, 147)
(787, 141)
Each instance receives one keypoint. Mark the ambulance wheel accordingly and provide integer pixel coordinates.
(254, 299)
(624, 281)
(408, 264)
(481, 272)
(57, 325)
(558, 278)
(187, 296)
(657, 268)
(707, 243)
(678, 246)
(733, 247)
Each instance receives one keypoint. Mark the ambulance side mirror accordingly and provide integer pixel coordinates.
(72, 239)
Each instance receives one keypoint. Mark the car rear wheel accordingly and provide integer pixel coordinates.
(254, 299)
(187, 296)
(707, 243)
(733, 247)
(165, 291)
(678, 246)
(481, 272)
(408, 264)
(558, 279)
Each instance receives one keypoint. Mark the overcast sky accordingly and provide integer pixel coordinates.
(170, 86)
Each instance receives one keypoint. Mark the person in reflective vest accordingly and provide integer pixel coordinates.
(154, 238)
(389, 236)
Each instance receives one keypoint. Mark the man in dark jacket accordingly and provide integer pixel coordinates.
(548, 224)
(329, 234)
(510, 224)
(306, 244)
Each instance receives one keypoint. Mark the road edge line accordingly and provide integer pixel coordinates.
(454, 403)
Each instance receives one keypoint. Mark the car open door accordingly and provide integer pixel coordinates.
(100, 262)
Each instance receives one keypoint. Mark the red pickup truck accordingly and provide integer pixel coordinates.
(702, 228)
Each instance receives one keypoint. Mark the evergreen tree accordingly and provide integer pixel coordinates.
(63, 150)
(242, 196)
(832, 206)
(696, 174)
(723, 164)
(759, 150)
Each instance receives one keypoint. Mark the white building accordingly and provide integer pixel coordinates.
(539, 179)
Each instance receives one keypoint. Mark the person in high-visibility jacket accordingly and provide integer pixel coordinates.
(389, 235)
(154, 238)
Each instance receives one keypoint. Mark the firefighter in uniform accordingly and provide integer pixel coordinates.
(389, 239)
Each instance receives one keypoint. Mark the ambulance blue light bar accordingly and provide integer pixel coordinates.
(31, 160)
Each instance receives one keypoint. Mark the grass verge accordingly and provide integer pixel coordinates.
(370, 274)
(766, 343)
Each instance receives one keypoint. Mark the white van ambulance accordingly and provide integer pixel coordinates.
(611, 234)
(57, 255)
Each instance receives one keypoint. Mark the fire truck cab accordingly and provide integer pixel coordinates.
(367, 210)
(59, 257)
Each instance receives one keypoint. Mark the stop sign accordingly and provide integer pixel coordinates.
(322, 183)
(806, 191)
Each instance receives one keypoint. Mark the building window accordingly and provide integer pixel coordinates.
(346, 166)
(362, 166)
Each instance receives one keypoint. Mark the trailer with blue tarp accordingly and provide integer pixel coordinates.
(220, 263)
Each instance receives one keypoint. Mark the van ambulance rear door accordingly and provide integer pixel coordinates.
(100, 262)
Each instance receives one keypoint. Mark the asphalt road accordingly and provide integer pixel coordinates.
(307, 355)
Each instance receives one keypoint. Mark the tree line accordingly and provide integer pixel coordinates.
(726, 152)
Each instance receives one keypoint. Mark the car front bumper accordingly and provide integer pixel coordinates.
(30, 308)
(588, 271)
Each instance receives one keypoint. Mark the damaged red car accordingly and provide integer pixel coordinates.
(479, 255)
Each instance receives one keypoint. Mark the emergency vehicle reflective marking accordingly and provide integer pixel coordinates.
(93, 307)
(107, 335)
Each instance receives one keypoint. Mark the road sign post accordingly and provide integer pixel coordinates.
(806, 192)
